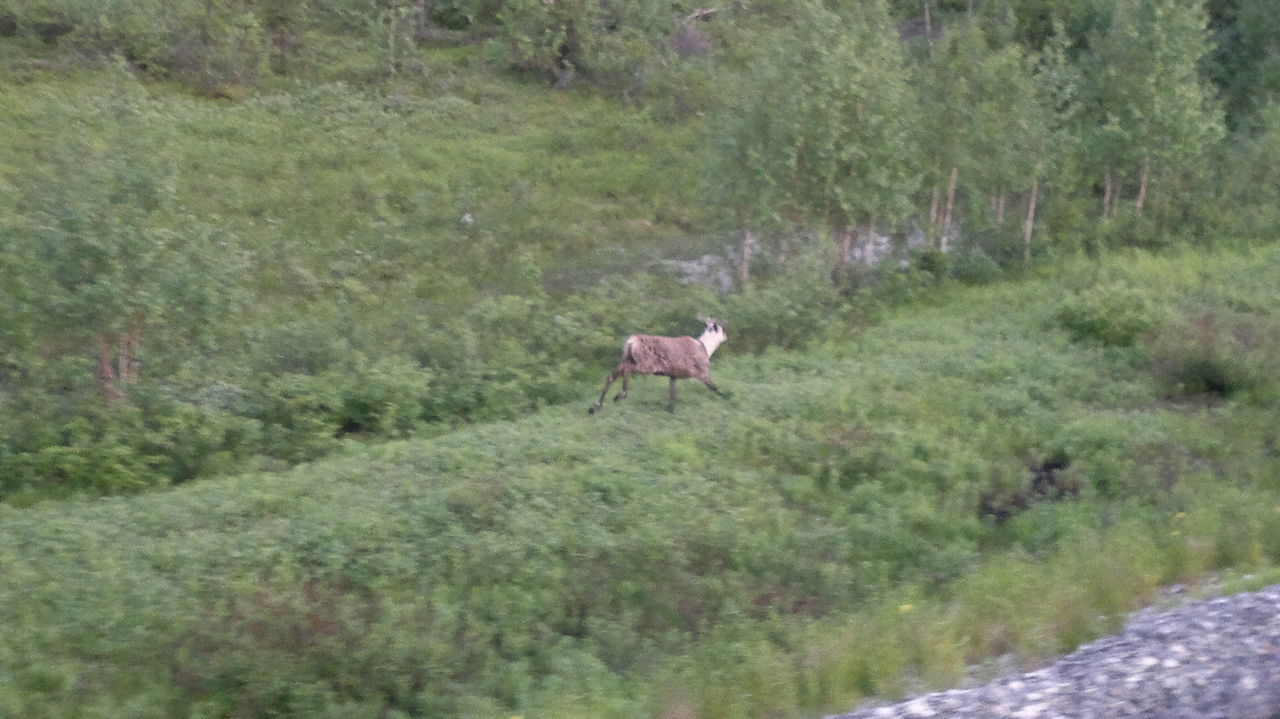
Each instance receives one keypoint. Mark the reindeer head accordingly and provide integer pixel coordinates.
(713, 334)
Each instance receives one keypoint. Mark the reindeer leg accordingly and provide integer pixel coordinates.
(626, 385)
(706, 379)
(671, 396)
(607, 383)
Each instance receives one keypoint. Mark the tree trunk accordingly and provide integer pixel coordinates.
(106, 370)
(868, 257)
(951, 204)
(393, 27)
(129, 366)
(999, 204)
(928, 25)
(1031, 221)
(744, 260)
(933, 208)
(846, 245)
(1142, 185)
(1106, 194)
(124, 359)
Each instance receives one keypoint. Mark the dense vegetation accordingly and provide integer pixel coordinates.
(1003, 341)
(989, 471)
(243, 234)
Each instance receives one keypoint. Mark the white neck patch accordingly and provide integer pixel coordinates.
(711, 339)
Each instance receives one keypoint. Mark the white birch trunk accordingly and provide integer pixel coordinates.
(951, 204)
(1031, 220)
(1141, 200)
(1106, 194)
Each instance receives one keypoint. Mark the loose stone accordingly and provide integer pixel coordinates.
(1214, 659)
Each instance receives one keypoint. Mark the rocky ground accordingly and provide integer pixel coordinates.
(1210, 659)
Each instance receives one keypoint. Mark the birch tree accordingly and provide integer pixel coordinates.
(1151, 109)
(821, 129)
(744, 172)
(1056, 86)
(945, 93)
(115, 259)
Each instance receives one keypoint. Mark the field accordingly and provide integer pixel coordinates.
(302, 305)
(983, 471)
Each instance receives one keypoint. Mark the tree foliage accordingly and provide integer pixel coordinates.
(825, 135)
(607, 40)
(1149, 109)
(113, 256)
(1244, 58)
(242, 236)
(363, 225)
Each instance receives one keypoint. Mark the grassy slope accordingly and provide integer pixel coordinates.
(336, 190)
(813, 539)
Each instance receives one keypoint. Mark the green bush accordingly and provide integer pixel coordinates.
(976, 267)
(795, 307)
(88, 461)
(85, 447)
(385, 398)
(614, 45)
(1113, 314)
(210, 46)
(934, 263)
(1066, 220)
(1132, 229)
(186, 439)
(299, 415)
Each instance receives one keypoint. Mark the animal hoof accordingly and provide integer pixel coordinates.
(592, 409)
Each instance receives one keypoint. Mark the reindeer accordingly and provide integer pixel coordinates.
(672, 357)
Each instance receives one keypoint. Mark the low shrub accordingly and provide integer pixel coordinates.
(195, 437)
(976, 267)
(1112, 314)
(1218, 353)
(298, 416)
(1132, 229)
(795, 307)
(58, 448)
(382, 397)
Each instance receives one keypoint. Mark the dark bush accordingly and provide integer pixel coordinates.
(1218, 353)
(1048, 481)
(975, 267)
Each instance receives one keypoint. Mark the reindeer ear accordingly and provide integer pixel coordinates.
(705, 320)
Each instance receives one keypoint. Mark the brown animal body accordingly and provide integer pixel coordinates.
(678, 357)
(672, 357)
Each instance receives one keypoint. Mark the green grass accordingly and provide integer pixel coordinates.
(817, 538)
(335, 215)
(317, 175)
(943, 475)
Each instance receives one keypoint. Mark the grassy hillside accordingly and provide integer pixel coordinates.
(302, 173)
(240, 237)
(987, 470)
(321, 282)
(303, 304)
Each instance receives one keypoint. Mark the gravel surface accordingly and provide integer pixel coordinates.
(1211, 659)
